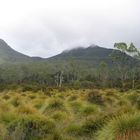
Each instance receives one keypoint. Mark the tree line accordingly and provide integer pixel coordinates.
(123, 73)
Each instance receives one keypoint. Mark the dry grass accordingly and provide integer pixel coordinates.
(74, 112)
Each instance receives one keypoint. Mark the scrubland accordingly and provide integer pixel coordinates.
(70, 114)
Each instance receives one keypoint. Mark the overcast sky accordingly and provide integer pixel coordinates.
(47, 27)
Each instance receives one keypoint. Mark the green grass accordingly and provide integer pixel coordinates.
(123, 127)
(90, 114)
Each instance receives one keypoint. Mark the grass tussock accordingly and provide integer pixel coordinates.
(124, 127)
(69, 114)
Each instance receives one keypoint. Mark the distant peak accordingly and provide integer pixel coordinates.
(81, 48)
(93, 46)
(1, 40)
(3, 43)
(73, 49)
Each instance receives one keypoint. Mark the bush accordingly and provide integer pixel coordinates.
(76, 106)
(133, 98)
(56, 104)
(92, 125)
(7, 117)
(4, 106)
(38, 104)
(124, 127)
(59, 115)
(32, 96)
(29, 128)
(95, 97)
(6, 97)
(87, 84)
(89, 109)
(23, 109)
(73, 129)
(16, 101)
(34, 88)
(73, 97)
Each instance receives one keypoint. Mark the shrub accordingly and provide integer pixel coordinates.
(95, 97)
(33, 88)
(62, 89)
(47, 93)
(6, 97)
(56, 104)
(32, 96)
(124, 127)
(89, 109)
(16, 101)
(23, 109)
(2, 132)
(133, 98)
(87, 84)
(76, 106)
(4, 106)
(38, 104)
(92, 125)
(73, 97)
(23, 94)
(138, 103)
(29, 128)
(7, 117)
(73, 129)
(59, 115)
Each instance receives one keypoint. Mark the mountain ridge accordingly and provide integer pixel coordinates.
(92, 55)
(10, 55)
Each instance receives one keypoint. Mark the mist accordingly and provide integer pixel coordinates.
(45, 28)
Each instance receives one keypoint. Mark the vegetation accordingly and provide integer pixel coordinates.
(82, 67)
(70, 114)
(83, 94)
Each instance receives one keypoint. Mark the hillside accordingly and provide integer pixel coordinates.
(80, 64)
(91, 56)
(9, 55)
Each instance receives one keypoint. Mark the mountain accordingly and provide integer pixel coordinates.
(80, 63)
(9, 55)
(90, 56)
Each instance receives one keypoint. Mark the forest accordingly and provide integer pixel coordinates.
(84, 68)
(72, 97)
(69, 70)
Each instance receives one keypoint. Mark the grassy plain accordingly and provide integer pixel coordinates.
(69, 114)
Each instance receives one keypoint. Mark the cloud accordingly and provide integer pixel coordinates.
(45, 28)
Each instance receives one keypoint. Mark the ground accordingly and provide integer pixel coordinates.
(69, 114)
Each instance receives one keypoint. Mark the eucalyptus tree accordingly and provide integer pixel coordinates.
(122, 59)
(103, 73)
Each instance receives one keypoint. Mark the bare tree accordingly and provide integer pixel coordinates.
(59, 78)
